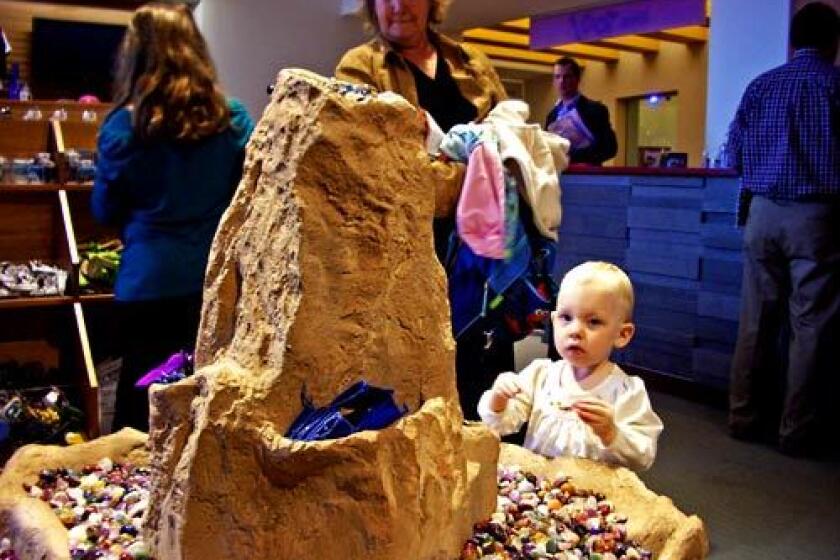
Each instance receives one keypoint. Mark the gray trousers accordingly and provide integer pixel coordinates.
(790, 318)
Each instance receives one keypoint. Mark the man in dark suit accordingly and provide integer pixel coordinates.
(599, 144)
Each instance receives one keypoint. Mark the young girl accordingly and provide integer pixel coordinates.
(170, 157)
(583, 405)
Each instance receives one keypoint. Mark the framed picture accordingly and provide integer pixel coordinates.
(673, 159)
(649, 155)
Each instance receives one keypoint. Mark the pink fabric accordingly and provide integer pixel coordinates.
(480, 215)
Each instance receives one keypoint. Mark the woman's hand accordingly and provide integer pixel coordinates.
(504, 388)
(598, 415)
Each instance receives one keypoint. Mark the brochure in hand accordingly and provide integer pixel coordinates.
(570, 126)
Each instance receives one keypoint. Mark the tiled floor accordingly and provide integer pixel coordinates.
(757, 503)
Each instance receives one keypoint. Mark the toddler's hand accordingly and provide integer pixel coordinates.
(599, 415)
(504, 388)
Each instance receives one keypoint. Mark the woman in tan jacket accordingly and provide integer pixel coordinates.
(456, 84)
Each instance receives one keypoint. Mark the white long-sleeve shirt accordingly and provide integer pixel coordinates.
(549, 387)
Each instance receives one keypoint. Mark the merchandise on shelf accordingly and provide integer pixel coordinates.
(24, 171)
(99, 264)
(14, 83)
(33, 114)
(59, 114)
(81, 165)
(32, 279)
(37, 415)
(54, 213)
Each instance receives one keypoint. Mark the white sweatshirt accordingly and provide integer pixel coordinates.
(548, 388)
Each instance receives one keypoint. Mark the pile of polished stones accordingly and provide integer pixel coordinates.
(540, 518)
(101, 506)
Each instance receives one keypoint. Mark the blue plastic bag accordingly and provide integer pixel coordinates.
(360, 407)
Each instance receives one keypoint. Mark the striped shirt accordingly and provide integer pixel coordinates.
(785, 138)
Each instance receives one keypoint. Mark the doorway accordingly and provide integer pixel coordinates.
(650, 127)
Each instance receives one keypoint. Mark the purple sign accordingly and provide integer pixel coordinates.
(624, 18)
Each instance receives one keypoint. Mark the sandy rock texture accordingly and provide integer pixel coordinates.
(34, 529)
(322, 273)
(654, 521)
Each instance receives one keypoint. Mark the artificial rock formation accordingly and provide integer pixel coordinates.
(322, 273)
(653, 521)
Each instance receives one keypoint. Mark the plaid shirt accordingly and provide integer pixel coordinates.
(785, 138)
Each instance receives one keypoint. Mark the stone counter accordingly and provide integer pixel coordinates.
(674, 232)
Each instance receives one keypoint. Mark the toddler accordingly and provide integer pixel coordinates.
(583, 405)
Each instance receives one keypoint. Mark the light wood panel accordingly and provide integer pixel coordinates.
(24, 138)
(631, 43)
(79, 135)
(503, 52)
(509, 39)
(513, 36)
(686, 35)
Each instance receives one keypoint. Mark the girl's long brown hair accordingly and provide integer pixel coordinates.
(165, 74)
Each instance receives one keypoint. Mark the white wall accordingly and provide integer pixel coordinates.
(747, 38)
(252, 40)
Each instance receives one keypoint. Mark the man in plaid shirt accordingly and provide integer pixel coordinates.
(785, 141)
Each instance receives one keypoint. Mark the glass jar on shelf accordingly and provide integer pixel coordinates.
(25, 93)
(72, 158)
(47, 172)
(59, 114)
(33, 114)
(20, 170)
(85, 171)
(35, 172)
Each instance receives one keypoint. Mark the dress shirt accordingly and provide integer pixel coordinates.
(785, 138)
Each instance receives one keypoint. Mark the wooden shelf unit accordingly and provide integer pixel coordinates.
(39, 301)
(11, 188)
(41, 222)
(73, 109)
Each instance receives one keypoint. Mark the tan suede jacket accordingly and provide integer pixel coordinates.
(377, 64)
